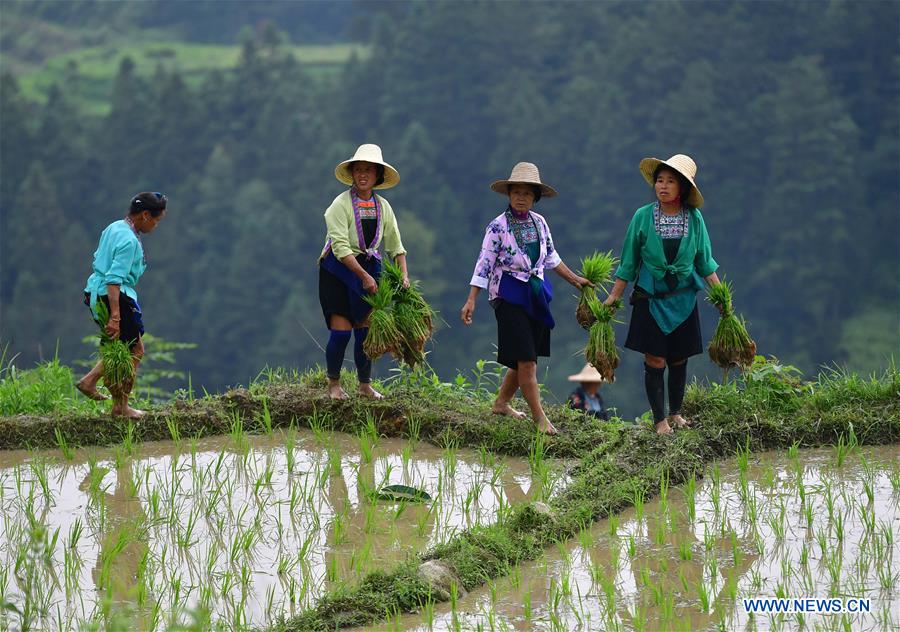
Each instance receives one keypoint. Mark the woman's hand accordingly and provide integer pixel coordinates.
(467, 310)
(113, 327)
(405, 281)
(369, 285)
(616, 293)
(580, 282)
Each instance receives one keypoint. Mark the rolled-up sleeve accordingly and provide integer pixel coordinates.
(552, 259)
(487, 258)
(338, 229)
(122, 262)
(631, 251)
(703, 260)
(392, 242)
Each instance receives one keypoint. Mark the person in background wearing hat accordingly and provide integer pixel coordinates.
(586, 397)
(118, 265)
(667, 255)
(516, 250)
(350, 264)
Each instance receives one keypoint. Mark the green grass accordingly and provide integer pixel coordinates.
(97, 66)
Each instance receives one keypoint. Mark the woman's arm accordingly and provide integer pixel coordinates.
(115, 318)
(368, 282)
(469, 307)
(616, 292)
(578, 281)
(400, 260)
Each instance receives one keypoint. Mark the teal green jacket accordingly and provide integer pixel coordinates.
(119, 260)
(644, 262)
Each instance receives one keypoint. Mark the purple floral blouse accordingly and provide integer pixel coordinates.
(500, 253)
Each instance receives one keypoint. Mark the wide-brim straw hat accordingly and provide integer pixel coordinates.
(369, 153)
(681, 163)
(523, 173)
(588, 374)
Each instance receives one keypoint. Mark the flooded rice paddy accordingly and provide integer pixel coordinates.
(237, 530)
(814, 523)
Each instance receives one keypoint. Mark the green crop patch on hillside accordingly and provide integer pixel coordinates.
(87, 74)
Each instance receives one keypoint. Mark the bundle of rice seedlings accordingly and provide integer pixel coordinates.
(596, 268)
(601, 349)
(383, 336)
(118, 364)
(412, 314)
(731, 345)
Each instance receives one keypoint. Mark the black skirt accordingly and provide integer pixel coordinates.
(520, 338)
(131, 325)
(335, 297)
(645, 336)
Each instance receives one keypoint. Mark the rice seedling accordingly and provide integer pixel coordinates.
(383, 336)
(596, 268)
(601, 350)
(731, 345)
(118, 363)
(67, 452)
(703, 594)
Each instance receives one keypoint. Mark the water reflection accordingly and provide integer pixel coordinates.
(775, 526)
(245, 529)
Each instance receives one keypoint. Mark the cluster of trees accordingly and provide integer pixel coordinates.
(789, 109)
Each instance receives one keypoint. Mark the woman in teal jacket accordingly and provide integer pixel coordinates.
(668, 256)
(118, 265)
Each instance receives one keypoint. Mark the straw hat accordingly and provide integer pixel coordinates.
(523, 173)
(588, 374)
(369, 153)
(681, 163)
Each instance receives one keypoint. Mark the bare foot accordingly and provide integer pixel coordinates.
(546, 427)
(663, 427)
(335, 391)
(366, 390)
(90, 391)
(128, 412)
(507, 410)
(678, 421)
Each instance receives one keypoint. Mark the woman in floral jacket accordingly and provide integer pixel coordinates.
(517, 248)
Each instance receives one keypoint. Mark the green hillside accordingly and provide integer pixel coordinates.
(88, 73)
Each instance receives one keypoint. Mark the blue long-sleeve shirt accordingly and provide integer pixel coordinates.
(118, 260)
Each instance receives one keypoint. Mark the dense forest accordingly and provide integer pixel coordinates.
(790, 109)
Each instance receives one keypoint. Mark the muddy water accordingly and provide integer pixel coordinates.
(238, 529)
(791, 527)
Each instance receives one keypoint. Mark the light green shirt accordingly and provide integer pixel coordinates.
(341, 229)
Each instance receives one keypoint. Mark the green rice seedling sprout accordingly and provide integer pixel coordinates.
(118, 363)
(731, 345)
(67, 452)
(690, 497)
(596, 268)
(685, 551)
(638, 501)
(632, 547)
(601, 351)
(383, 336)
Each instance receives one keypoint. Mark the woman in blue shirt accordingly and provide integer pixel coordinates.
(118, 265)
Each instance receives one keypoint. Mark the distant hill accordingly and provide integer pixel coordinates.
(88, 73)
(79, 45)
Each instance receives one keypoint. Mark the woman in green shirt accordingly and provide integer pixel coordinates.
(668, 256)
(350, 264)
